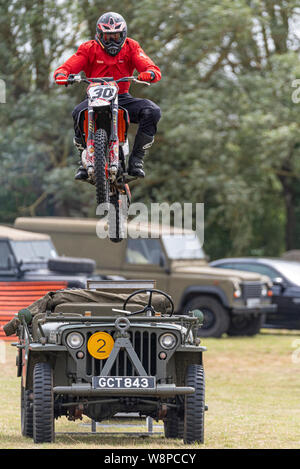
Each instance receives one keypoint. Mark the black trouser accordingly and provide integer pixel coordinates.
(141, 111)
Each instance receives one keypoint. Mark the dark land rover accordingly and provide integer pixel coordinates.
(30, 267)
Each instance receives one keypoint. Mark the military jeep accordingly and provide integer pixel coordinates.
(113, 347)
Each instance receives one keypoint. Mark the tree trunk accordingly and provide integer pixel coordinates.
(289, 195)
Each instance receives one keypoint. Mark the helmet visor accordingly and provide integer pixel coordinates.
(108, 38)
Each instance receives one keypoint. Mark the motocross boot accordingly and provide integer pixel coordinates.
(136, 159)
(81, 174)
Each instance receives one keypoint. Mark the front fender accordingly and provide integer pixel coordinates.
(36, 353)
(204, 290)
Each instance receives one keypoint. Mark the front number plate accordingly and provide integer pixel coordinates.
(252, 302)
(126, 382)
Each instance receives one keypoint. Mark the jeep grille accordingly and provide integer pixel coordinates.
(145, 346)
(251, 290)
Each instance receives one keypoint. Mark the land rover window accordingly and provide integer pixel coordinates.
(143, 251)
(31, 251)
(250, 267)
(4, 255)
(184, 246)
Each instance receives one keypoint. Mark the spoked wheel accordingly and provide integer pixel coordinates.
(194, 406)
(100, 167)
(149, 307)
(43, 404)
(26, 412)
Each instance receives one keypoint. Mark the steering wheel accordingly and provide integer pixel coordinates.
(149, 306)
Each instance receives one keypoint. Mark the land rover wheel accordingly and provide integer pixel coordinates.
(43, 404)
(216, 318)
(194, 406)
(26, 412)
(245, 325)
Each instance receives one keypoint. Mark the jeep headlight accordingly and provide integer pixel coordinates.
(237, 292)
(75, 340)
(168, 341)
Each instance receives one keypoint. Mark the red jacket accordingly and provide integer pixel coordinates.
(95, 62)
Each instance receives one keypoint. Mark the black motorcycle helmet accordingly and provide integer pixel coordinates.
(111, 32)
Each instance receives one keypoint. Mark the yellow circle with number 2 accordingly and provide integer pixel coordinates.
(100, 345)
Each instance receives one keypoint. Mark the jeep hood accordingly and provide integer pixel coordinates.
(198, 268)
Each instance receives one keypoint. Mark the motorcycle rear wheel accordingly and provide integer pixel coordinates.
(117, 217)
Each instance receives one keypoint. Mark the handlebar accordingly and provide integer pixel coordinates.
(79, 79)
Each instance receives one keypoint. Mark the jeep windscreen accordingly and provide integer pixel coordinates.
(33, 251)
(183, 246)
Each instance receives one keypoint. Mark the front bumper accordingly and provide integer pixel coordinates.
(259, 309)
(161, 390)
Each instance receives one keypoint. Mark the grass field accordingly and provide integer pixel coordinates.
(252, 392)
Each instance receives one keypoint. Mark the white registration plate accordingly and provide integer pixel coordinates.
(252, 302)
(123, 382)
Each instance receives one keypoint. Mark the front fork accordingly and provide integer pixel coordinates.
(113, 143)
(90, 143)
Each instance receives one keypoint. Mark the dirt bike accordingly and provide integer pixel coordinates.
(105, 127)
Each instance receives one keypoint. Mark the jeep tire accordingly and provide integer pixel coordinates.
(72, 265)
(216, 318)
(174, 425)
(194, 406)
(43, 404)
(26, 412)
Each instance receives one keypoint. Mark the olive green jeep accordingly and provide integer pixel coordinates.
(233, 302)
(116, 346)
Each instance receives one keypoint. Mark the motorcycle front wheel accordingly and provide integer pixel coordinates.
(100, 166)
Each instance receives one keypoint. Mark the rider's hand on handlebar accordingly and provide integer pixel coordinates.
(146, 76)
(61, 79)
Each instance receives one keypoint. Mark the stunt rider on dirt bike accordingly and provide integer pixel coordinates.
(113, 54)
